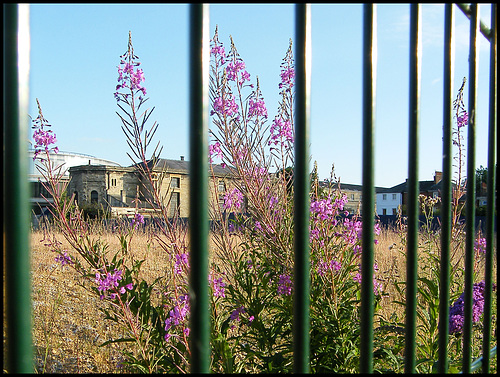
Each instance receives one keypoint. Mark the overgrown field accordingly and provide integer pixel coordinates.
(68, 327)
(118, 299)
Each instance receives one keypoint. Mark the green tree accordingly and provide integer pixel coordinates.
(481, 177)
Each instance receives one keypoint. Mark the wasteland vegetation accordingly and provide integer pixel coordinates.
(114, 296)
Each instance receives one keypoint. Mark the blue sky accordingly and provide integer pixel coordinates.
(75, 51)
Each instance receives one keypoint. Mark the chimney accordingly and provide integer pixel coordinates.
(438, 176)
(182, 158)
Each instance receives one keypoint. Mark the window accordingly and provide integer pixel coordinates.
(394, 196)
(394, 211)
(384, 211)
(175, 182)
(113, 181)
(384, 196)
(175, 203)
(221, 186)
(39, 190)
(352, 196)
(94, 197)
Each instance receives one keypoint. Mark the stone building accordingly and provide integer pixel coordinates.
(123, 189)
(40, 197)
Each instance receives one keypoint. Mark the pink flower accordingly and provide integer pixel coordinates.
(218, 50)
(224, 107)
(218, 287)
(64, 259)
(285, 285)
(281, 131)
(235, 315)
(214, 149)
(233, 198)
(287, 77)
(462, 119)
(480, 245)
(129, 77)
(233, 68)
(257, 108)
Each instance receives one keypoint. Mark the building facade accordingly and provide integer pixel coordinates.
(125, 190)
(388, 201)
(40, 198)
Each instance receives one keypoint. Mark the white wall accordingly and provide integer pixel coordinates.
(388, 201)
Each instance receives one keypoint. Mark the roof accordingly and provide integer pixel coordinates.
(182, 166)
(423, 187)
(400, 188)
(347, 186)
(67, 160)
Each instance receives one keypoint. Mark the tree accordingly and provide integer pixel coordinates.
(481, 177)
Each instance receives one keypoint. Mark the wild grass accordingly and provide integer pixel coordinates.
(74, 332)
(67, 323)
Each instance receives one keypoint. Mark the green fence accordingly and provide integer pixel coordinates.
(16, 211)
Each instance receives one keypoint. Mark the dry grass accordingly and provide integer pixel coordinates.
(68, 326)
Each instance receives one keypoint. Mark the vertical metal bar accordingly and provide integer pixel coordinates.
(198, 197)
(444, 280)
(471, 191)
(413, 189)
(368, 204)
(301, 323)
(490, 219)
(16, 192)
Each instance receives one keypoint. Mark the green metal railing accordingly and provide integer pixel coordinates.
(17, 294)
(368, 205)
(198, 145)
(16, 210)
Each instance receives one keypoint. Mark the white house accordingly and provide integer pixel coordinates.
(388, 200)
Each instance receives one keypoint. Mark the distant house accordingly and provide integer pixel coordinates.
(388, 200)
(354, 196)
(353, 192)
(482, 195)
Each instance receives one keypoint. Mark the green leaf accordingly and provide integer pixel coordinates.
(121, 340)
